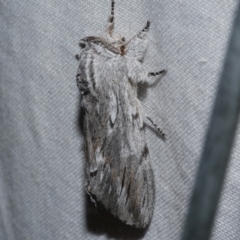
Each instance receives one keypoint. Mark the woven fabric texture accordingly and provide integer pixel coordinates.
(42, 192)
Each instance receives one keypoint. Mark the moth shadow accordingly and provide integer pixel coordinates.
(142, 91)
(100, 222)
(80, 116)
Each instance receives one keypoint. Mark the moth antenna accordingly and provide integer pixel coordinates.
(110, 26)
(142, 33)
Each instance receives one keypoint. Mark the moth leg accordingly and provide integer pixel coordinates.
(153, 74)
(156, 127)
(110, 25)
(163, 72)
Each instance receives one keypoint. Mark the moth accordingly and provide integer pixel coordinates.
(118, 169)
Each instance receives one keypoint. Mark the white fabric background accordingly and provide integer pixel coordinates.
(41, 144)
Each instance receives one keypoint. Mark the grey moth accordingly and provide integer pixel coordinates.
(118, 170)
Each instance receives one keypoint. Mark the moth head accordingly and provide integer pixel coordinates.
(117, 40)
(114, 44)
